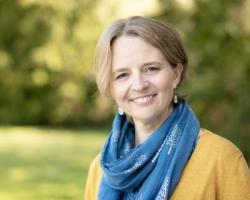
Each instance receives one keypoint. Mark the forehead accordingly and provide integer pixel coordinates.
(133, 50)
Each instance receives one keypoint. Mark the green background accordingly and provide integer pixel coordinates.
(52, 119)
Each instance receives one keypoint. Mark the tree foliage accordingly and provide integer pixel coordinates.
(46, 50)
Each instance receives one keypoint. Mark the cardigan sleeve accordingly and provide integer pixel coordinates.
(93, 180)
(216, 170)
(234, 175)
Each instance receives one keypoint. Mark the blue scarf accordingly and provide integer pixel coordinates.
(152, 169)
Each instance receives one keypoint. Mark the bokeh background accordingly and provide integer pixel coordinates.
(52, 119)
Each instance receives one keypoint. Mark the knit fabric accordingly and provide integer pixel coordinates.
(216, 170)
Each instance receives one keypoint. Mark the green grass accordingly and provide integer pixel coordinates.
(46, 164)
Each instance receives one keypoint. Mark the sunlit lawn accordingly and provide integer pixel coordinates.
(45, 164)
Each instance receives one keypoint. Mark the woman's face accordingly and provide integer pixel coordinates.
(142, 80)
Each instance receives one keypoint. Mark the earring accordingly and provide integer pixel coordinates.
(120, 111)
(175, 97)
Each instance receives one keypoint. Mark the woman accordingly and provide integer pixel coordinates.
(156, 148)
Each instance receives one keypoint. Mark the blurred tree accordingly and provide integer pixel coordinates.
(217, 37)
(46, 50)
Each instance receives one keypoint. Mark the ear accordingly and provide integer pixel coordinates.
(178, 72)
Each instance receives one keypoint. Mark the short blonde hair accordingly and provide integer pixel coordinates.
(158, 34)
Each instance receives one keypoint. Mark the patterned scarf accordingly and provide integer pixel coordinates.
(152, 169)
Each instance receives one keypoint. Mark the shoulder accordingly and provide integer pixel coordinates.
(93, 179)
(217, 145)
(216, 170)
(95, 165)
(219, 150)
(215, 152)
(227, 163)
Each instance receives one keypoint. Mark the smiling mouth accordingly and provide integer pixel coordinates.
(144, 100)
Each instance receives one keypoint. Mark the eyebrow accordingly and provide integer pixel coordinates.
(121, 69)
(151, 63)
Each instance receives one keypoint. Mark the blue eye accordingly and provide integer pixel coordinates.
(121, 76)
(151, 69)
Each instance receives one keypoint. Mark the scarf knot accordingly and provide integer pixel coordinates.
(152, 169)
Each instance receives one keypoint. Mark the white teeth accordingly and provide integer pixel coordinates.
(143, 99)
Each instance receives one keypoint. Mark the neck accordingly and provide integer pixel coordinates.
(143, 129)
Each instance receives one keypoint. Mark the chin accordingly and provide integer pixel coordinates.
(146, 117)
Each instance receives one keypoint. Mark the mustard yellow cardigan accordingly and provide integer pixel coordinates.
(216, 170)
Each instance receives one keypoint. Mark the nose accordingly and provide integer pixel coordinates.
(139, 83)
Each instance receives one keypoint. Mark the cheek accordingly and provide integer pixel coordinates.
(118, 92)
(164, 83)
(166, 87)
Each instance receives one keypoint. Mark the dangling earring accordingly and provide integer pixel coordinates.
(175, 97)
(120, 111)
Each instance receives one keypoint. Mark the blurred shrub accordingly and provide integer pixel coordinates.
(46, 50)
